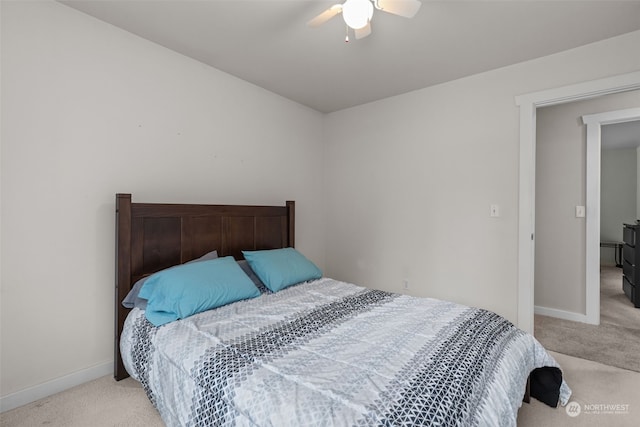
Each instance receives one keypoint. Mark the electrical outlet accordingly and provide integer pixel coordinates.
(405, 283)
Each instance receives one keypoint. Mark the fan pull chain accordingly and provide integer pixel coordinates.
(346, 37)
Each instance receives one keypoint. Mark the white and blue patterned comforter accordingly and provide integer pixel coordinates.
(328, 353)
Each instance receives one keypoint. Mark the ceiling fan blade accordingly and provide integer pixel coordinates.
(325, 16)
(364, 31)
(405, 8)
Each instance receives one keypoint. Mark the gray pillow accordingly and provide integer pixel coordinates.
(244, 264)
(132, 299)
(205, 257)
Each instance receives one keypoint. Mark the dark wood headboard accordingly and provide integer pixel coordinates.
(154, 236)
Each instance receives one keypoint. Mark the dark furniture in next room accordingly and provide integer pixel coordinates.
(617, 247)
(631, 263)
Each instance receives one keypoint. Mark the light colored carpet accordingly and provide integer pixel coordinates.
(615, 342)
(615, 307)
(106, 403)
(594, 387)
(100, 403)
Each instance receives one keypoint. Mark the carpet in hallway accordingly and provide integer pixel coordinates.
(615, 342)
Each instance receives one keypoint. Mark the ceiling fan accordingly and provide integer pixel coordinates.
(357, 14)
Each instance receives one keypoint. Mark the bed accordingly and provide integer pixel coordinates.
(319, 352)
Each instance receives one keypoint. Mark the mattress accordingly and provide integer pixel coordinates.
(329, 353)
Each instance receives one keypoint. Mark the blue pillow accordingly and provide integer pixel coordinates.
(133, 299)
(184, 290)
(280, 268)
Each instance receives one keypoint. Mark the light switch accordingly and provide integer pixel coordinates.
(579, 211)
(495, 211)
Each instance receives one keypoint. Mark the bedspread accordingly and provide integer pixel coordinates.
(328, 353)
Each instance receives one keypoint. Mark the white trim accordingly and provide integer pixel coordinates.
(580, 91)
(611, 117)
(526, 204)
(526, 241)
(57, 385)
(594, 124)
(560, 314)
(592, 227)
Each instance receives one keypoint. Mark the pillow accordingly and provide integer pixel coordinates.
(205, 257)
(133, 300)
(244, 265)
(280, 268)
(187, 289)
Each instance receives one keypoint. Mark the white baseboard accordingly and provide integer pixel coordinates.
(561, 314)
(57, 385)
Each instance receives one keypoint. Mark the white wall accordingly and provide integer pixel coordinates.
(89, 110)
(618, 193)
(410, 179)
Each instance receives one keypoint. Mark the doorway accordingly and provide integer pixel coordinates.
(526, 229)
(594, 123)
(566, 276)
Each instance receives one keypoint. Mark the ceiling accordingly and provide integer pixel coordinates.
(267, 42)
(620, 136)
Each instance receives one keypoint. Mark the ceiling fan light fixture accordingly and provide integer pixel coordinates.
(357, 13)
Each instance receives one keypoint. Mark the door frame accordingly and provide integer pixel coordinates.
(528, 104)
